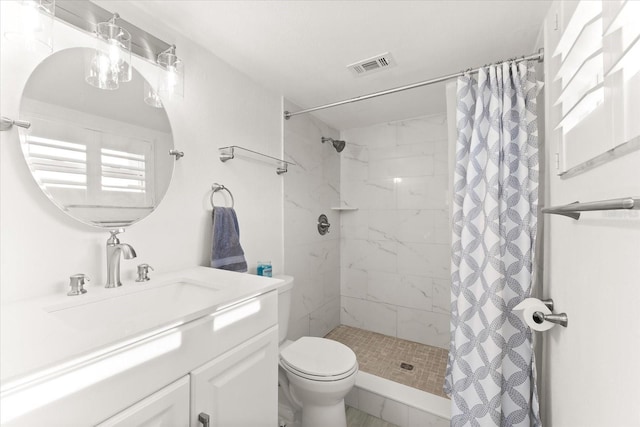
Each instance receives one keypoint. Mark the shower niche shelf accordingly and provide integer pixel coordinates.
(343, 208)
(230, 152)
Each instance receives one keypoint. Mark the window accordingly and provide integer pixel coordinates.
(594, 71)
(57, 164)
(122, 171)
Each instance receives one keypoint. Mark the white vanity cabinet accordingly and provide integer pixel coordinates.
(168, 407)
(223, 363)
(236, 389)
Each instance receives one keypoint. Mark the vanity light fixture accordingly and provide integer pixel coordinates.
(111, 63)
(171, 77)
(33, 24)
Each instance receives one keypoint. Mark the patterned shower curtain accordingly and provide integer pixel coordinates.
(491, 368)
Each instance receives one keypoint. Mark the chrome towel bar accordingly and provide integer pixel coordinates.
(573, 209)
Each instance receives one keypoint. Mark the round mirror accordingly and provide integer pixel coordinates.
(102, 156)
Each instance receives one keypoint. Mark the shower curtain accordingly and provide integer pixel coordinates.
(491, 369)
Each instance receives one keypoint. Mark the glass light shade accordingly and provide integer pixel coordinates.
(33, 25)
(151, 97)
(171, 75)
(99, 72)
(111, 62)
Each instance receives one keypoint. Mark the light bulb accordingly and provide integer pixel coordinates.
(114, 53)
(172, 78)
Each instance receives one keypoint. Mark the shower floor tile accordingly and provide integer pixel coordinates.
(382, 355)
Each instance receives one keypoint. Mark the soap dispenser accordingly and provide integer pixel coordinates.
(77, 282)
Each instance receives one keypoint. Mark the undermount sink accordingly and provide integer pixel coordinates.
(139, 309)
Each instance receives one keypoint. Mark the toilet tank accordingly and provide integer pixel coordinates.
(284, 306)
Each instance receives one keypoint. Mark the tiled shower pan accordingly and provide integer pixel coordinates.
(399, 381)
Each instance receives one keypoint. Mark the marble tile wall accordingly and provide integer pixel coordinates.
(311, 188)
(394, 275)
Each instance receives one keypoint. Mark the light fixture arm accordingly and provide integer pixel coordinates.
(167, 58)
(170, 50)
(115, 16)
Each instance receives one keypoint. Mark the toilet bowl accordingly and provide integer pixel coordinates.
(315, 373)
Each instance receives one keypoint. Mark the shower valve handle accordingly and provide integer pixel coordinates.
(323, 224)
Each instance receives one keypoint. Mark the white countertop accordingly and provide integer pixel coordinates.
(36, 340)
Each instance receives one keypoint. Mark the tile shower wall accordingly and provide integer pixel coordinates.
(311, 188)
(395, 246)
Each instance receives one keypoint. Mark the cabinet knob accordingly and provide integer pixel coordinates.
(204, 419)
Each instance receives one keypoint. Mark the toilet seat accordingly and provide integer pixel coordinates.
(298, 373)
(319, 359)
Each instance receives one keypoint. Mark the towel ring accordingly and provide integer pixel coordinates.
(218, 187)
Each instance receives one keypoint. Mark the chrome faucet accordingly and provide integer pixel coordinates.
(114, 249)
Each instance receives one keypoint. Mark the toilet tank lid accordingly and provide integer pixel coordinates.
(287, 283)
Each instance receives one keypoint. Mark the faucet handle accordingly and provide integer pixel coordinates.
(114, 235)
(77, 282)
(143, 273)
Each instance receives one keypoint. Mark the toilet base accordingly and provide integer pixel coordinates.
(323, 416)
(288, 415)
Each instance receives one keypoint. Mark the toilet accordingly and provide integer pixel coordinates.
(315, 374)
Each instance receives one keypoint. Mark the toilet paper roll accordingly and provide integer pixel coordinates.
(529, 306)
(527, 302)
(530, 319)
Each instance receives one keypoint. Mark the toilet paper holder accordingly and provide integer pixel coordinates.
(560, 319)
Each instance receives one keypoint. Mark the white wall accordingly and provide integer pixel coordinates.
(41, 246)
(592, 266)
(590, 369)
(395, 275)
(311, 188)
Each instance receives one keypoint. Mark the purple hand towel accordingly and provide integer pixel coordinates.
(226, 252)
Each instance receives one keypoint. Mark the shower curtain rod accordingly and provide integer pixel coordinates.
(287, 115)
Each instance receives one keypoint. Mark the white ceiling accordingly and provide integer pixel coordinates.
(300, 49)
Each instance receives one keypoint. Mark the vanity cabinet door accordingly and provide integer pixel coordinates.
(168, 407)
(240, 387)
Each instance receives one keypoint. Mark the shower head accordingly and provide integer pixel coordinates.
(337, 143)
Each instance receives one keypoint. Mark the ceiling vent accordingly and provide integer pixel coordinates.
(372, 65)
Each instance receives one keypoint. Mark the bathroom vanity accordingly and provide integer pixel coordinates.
(195, 345)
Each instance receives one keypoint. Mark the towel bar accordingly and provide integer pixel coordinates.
(218, 187)
(573, 209)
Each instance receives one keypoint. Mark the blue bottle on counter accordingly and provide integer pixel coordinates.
(264, 268)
